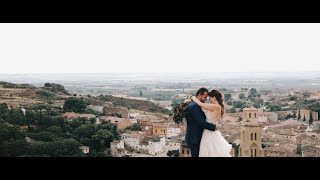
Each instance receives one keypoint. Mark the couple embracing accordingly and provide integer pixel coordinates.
(203, 136)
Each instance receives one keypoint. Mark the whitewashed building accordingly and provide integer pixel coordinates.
(173, 131)
(132, 140)
(174, 144)
(117, 148)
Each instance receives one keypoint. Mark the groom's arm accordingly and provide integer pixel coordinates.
(196, 114)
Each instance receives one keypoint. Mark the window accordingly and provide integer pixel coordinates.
(156, 130)
(255, 136)
(251, 152)
(182, 151)
(164, 131)
(255, 152)
(255, 115)
(249, 115)
(251, 136)
(187, 151)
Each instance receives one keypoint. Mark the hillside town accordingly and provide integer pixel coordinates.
(257, 122)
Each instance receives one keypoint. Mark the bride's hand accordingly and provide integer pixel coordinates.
(193, 98)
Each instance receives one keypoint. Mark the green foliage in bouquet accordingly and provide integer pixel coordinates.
(179, 112)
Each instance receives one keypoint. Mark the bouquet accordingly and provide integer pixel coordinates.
(179, 112)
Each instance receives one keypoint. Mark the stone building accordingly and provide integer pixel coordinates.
(250, 134)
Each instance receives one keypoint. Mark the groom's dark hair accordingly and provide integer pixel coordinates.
(202, 91)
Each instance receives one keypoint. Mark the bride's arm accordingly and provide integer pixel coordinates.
(210, 107)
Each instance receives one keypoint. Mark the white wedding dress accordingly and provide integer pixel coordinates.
(213, 143)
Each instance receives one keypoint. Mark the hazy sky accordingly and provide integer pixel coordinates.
(158, 47)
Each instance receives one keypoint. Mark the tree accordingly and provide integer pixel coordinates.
(16, 117)
(4, 111)
(294, 114)
(14, 148)
(75, 105)
(140, 93)
(311, 118)
(241, 96)
(293, 98)
(102, 139)
(135, 127)
(227, 97)
(92, 120)
(47, 85)
(299, 116)
(253, 92)
(304, 117)
(275, 108)
(256, 105)
(229, 103)
(233, 110)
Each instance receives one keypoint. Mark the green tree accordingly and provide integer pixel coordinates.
(30, 118)
(293, 98)
(294, 114)
(85, 131)
(92, 120)
(304, 117)
(311, 118)
(75, 105)
(14, 148)
(241, 96)
(55, 130)
(233, 110)
(227, 97)
(275, 108)
(140, 93)
(256, 105)
(43, 136)
(102, 139)
(16, 117)
(253, 92)
(135, 127)
(229, 102)
(299, 116)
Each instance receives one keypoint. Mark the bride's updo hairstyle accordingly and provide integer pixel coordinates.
(218, 96)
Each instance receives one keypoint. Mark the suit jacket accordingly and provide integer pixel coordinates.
(196, 123)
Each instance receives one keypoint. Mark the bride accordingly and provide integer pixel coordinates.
(212, 142)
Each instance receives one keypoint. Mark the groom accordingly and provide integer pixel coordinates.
(196, 123)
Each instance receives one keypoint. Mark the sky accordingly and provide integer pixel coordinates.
(158, 47)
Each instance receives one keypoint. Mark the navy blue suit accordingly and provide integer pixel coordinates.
(196, 123)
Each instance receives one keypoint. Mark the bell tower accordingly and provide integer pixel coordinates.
(250, 134)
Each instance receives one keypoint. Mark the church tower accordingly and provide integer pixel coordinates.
(250, 134)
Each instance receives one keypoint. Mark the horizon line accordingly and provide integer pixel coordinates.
(277, 71)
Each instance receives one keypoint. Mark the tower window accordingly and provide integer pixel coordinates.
(255, 115)
(251, 136)
(255, 136)
(255, 152)
(249, 115)
(251, 152)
